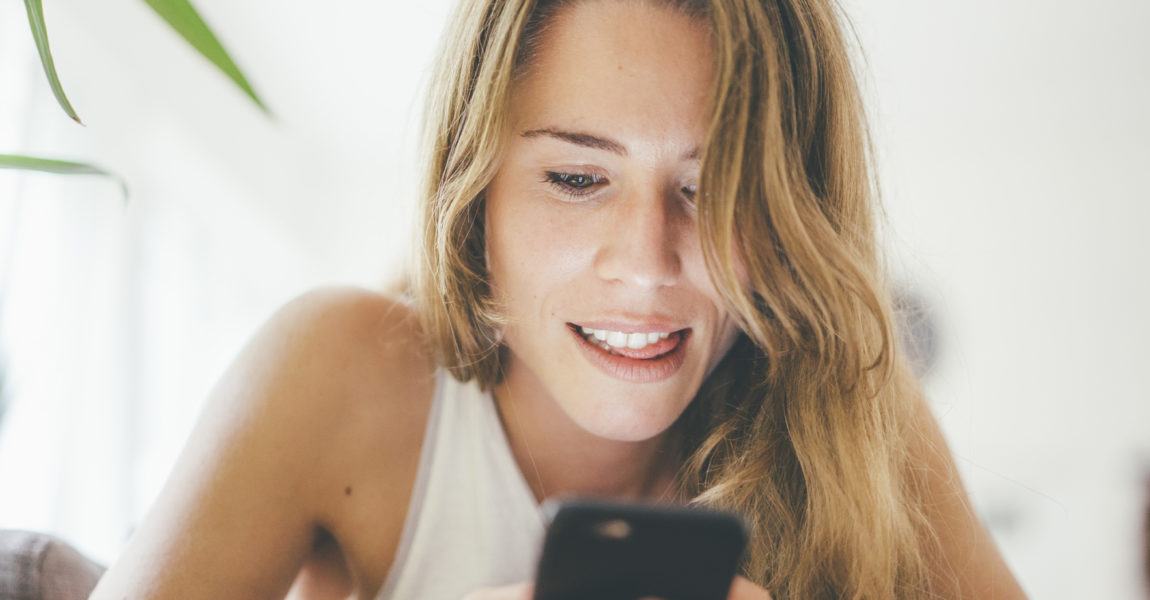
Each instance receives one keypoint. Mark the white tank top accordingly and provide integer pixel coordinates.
(472, 521)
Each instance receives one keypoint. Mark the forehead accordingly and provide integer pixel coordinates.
(626, 68)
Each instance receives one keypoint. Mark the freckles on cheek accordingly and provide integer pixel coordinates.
(531, 258)
(548, 246)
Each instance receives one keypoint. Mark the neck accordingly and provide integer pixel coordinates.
(559, 458)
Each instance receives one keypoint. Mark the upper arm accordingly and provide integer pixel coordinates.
(243, 504)
(967, 563)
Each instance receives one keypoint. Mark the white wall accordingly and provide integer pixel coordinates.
(1012, 142)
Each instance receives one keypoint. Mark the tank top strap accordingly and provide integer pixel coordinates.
(472, 520)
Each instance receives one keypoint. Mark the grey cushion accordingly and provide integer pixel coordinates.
(35, 566)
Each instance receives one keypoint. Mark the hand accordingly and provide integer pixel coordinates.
(741, 589)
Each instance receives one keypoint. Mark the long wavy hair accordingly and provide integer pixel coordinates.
(804, 426)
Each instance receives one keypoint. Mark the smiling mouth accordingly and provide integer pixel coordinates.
(634, 345)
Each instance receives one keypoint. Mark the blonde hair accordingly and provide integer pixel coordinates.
(802, 428)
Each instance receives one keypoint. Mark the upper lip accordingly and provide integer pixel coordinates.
(631, 325)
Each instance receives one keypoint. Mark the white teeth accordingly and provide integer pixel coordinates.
(617, 339)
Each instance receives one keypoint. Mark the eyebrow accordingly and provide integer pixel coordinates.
(580, 139)
(593, 141)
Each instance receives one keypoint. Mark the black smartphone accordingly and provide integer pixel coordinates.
(612, 551)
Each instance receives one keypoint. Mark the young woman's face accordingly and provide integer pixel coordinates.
(591, 233)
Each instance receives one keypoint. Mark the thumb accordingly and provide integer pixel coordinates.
(743, 589)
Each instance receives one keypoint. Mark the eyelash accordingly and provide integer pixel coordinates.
(562, 182)
(690, 191)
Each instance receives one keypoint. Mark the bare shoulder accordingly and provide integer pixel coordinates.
(334, 361)
(319, 417)
(359, 368)
(371, 376)
(345, 327)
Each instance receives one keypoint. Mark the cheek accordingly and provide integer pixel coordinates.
(695, 266)
(726, 328)
(532, 252)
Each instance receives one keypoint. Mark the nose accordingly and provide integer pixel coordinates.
(640, 241)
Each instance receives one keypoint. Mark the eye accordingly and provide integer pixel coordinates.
(689, 192)
(575, 184)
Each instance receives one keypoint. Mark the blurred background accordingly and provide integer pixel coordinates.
(1012, 142)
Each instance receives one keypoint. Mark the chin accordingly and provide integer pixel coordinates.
(616, 417)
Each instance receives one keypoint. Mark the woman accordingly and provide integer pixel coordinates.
(648, 264)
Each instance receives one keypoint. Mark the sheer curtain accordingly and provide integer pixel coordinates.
(67, 332)
(117, 315)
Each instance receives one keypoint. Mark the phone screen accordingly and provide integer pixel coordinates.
(609, 551)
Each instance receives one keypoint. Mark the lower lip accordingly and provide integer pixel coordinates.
(637, 370)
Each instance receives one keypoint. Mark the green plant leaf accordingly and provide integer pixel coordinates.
(62, 167)
(182, 17)
(40, 34)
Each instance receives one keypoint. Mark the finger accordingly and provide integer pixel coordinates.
(518, 591)
(744, 589)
